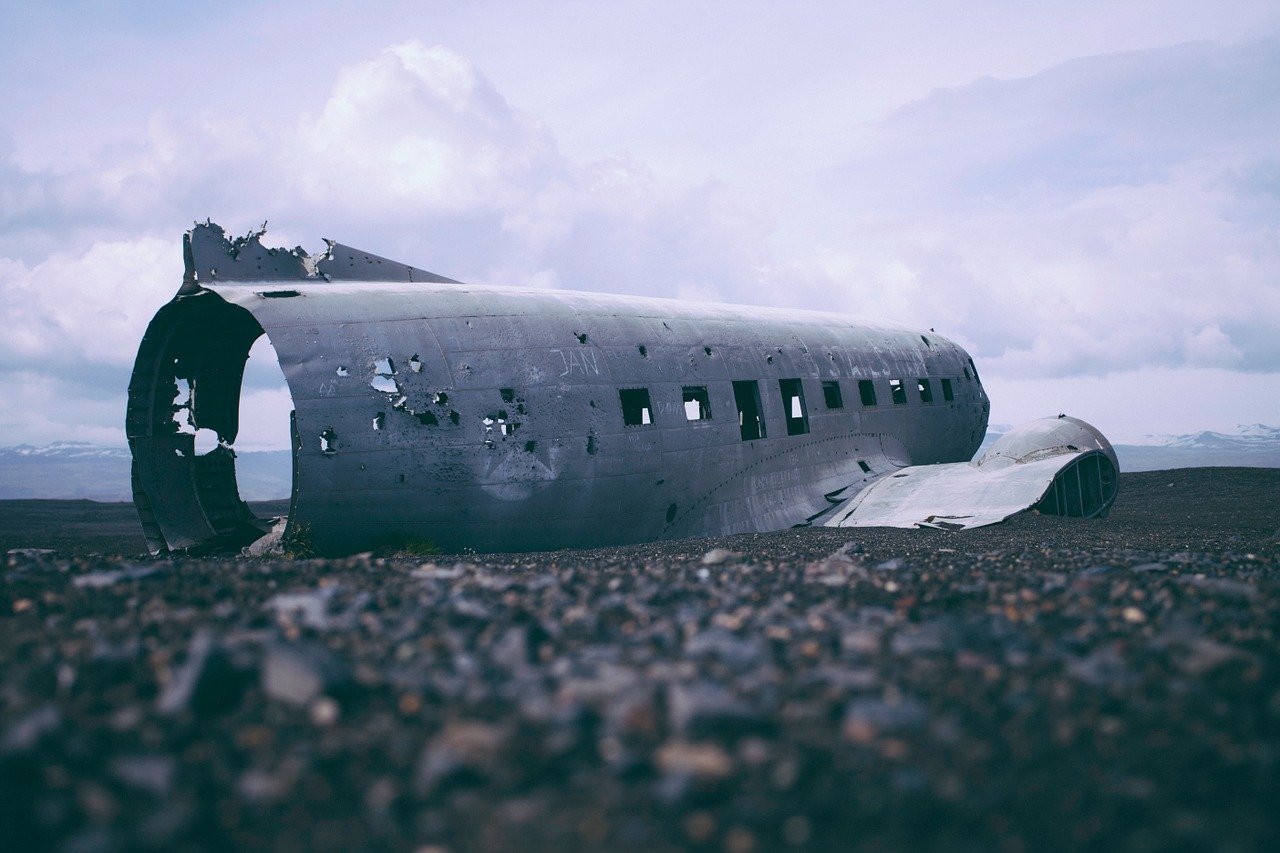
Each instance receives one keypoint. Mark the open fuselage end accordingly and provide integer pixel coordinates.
(510, 419)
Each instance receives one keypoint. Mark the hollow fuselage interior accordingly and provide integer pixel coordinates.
(186, 385)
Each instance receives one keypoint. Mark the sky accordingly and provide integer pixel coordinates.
(1085, 195)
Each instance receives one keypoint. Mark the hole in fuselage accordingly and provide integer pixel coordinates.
(263, 444)
(384, 384)
(209, 410)
(206, 441)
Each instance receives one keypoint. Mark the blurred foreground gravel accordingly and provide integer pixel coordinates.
(1044, 684)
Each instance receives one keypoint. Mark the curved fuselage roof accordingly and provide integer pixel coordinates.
(514, 418)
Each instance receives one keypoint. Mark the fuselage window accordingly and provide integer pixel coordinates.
(746, 395)
(898, 392)
(947, 393)
(974, 368)
(926, 390)
(793, 405)
(697, 405)
(967, 377)
(636, 410)
(831, 393)
(867, 391)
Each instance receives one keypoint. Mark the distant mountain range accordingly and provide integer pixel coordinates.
(67, 470)
(1250, 446)
(1246, 437)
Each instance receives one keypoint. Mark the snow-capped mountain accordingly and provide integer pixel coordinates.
(1246, 437)
(66, 450)
(1250, 446)
(66, 470)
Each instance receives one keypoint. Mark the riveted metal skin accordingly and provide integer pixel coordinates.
(489, 417)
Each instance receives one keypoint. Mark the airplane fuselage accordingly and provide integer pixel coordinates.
(515, 419)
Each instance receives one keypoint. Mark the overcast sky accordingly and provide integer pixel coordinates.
(1085, 195)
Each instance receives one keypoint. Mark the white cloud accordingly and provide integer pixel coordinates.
(1112, 214)
(1209, 347)
(264, 419)
(67, 312)
(414, 154)
(419, 128)
(1128, 404)
(418, 142)
(44, 406)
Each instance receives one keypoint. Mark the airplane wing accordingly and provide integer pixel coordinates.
(1058, 466)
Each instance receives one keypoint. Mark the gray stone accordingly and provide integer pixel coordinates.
(464, 751)
(1102, 667)
(734, 651)
(101, 579)
(272, 543)
(27, 731)
(291, 675)
(925, 638)
(29, 553)
(204, 674)
(150, 773)
(719, 556)
(706, 709)
(881, 715)
(1226, 588)
(310, 607)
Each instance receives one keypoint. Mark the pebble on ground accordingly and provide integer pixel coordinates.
(1046, 683)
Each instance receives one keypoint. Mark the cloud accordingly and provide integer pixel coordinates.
(72, 311)
(1209, 347)
(1109, 214)
(419, 144)
(264, 419)
(1113, 213)
(1128, 405)
(1127, 118)
(419, 128)
(414, 154)
(44, 406)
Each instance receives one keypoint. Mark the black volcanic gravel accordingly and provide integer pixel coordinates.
(1043, 684)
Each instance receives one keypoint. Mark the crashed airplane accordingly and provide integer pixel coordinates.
(507, 418)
